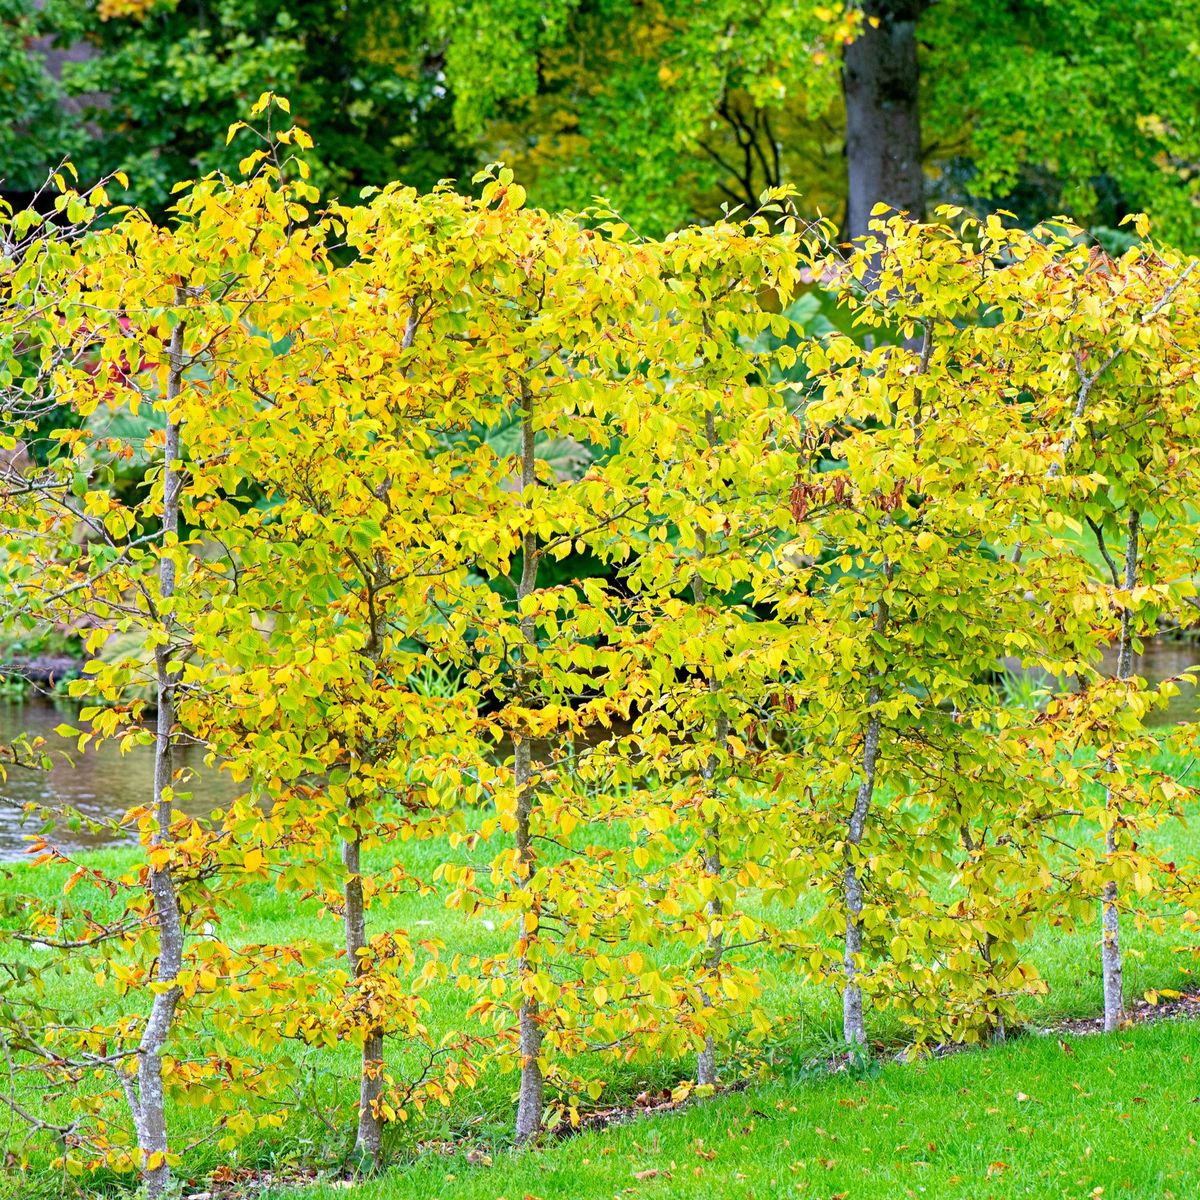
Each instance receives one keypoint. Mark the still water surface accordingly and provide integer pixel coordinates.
(102, 784)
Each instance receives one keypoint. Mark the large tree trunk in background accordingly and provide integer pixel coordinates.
(55, 58)
(883, 114)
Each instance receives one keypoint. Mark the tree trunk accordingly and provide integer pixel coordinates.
(148, 1104)
(532, 1089)
(369, 1137)
(706, 1060)
(999, 1033)
(531, 1093)
(883, 115)
(853, 1027)
(1110, 943)
(985, 947)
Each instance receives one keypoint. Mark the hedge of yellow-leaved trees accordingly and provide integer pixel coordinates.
(591, 643)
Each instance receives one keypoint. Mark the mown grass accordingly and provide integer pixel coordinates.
(1044, 1117)
(811, 1015)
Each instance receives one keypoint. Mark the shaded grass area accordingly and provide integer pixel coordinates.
(1092, 1116)
(320, 1127)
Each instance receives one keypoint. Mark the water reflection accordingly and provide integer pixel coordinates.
(101, 784)
(1162, 658)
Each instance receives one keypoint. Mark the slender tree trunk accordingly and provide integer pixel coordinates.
(531, 1094)
(853, 1027)
(1110, 944)
(883, 115)
(985, 947)
(149, 1110)
(369, 1137)
(532, 1089)
(998, 1031)
(706, 1060)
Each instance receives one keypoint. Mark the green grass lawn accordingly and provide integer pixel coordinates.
(1128, 1097)
(1091, 1116)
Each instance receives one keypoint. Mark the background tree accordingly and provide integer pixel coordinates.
(38, 129)
(668, 107)
(163, 80)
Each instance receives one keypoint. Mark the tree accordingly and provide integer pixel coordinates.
(940, 771)
(163, 80)
(37, 130)
(881, 88)
(721, 405)
(1130, 355)
(132, 566)
(1085, 106)
(668, 108)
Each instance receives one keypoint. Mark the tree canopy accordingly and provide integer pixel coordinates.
(668, 108)
(164, 79)
(1087, 106)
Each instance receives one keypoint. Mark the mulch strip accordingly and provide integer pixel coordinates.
(1141, 1012)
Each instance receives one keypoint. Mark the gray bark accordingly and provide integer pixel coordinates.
(148, 1104)
(706, 1060)
(531, 1092)
(985, 949)
(853, 1027)
(883, 116)
(1110, 941)
(369, 1136)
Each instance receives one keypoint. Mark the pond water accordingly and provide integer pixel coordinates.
(1162, 658)
(102, 784)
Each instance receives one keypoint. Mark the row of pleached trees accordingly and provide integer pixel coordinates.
(759, 726)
